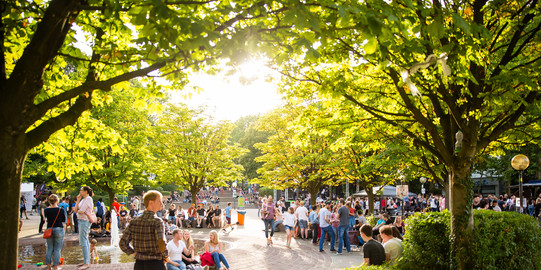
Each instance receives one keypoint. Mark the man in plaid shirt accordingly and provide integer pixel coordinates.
(146, 235)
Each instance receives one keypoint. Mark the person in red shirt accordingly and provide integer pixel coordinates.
(116, 206)
(351, 211)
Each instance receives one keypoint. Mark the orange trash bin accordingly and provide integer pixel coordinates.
(240, 217)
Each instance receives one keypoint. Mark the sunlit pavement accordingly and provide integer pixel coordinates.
(248, 249)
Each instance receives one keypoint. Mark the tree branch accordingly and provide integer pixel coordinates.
(47, 40)
(416, 138)
(429, 126)
(106, 85)
(509, 121)
(42, 132)
(508, 56)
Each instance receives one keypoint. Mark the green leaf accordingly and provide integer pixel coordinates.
(371, 46)
(461, 23)
(436, 29)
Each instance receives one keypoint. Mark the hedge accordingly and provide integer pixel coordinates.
(502, 240)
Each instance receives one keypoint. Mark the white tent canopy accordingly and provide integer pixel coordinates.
(386, 191)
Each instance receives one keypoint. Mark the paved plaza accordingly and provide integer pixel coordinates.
(248, 249)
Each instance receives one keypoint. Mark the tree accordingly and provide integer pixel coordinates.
(107, 147)
(192, 151)
(59, 56)
(368, 151)
(293, 158)
(246, 135)
(430, 69)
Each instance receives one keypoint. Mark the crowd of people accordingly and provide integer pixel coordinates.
(145, 239)
(326, 221)
(59, 215)
(196, 217)
(505, 202)
(336, 219)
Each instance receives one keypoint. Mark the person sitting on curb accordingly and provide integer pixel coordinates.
(374, 253)
(200, 216)
(393, 246)
(191, 215)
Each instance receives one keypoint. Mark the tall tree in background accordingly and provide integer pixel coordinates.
(294, 157)
(247, 136)
(193, 152)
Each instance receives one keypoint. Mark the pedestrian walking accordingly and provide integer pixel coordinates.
(343, 227)
(22, 208)
(267, 214)
(290, 220)
(314, 223)
(42, 207)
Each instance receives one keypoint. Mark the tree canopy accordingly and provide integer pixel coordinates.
(193, 152)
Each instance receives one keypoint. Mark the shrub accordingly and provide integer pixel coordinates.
(506, 240)
(502, 240)
(426, 243)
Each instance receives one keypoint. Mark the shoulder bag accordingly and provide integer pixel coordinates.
(49, 232)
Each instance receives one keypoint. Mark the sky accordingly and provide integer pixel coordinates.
(226, 98)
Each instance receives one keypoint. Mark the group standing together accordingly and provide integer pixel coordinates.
(56, 217)
(335, 219)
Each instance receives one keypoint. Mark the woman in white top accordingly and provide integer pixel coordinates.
(84, 206)
(215, 248)
(289, 223)
(175, 248)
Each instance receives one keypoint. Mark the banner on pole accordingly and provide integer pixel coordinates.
(241, 202)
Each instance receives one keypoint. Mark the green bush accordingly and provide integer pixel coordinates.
(426, 243)
(502, 240)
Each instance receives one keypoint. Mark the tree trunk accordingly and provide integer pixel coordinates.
(11, 168)
(313, 195)
(461, 216)
(194, 191)
(111, 197)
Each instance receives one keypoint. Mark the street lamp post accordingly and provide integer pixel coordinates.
(520, 163)
(423, 181)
